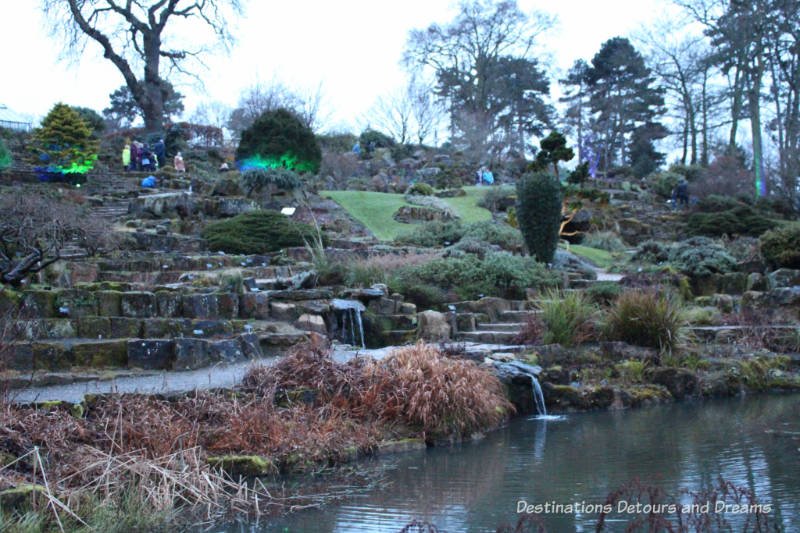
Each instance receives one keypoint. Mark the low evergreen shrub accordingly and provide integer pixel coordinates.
(257, 232)
(502, 235)
(723, 215)
(434, 234)
(701, 256)
(781, 246)
(650, 252)
(257, 179)
(604, 240)
(421, 189)
(468, 277)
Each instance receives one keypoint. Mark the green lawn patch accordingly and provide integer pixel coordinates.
(601, 258)
(375, 209)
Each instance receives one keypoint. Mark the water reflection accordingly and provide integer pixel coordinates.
(476, 487)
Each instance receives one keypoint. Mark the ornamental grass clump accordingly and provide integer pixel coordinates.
(567, 318)
(644, 318)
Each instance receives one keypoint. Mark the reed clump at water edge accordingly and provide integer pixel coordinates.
(154, 454)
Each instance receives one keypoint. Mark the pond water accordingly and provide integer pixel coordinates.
(581, 458)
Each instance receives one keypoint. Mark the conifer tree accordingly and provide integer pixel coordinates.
(64, 142)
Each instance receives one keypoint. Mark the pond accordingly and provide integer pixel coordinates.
(582, 457)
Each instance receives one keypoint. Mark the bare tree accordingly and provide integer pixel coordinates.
(393, 114)
(213, 113)
(134, 33)
(34, 230)
(261, 97)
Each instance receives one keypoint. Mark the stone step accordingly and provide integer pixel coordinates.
(726, 334)
(488, 337)
(149, 354)
(517, 316)
(399, 337)
(104, 328)
(502, 326)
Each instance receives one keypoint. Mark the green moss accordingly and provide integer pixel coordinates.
(101, 354)
(20, 498)
(245, 465)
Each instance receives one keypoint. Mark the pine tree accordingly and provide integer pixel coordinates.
(553, 149)
(64, 142)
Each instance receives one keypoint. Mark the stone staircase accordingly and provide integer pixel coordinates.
(503, 329)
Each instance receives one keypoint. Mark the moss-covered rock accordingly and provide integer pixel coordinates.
(20, 499)
(680, 382)
(243, 465)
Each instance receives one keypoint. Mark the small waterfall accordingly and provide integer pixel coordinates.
(536, 388)
(350, 312)
(538, 397)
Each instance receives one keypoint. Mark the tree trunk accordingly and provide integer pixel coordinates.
(153, 101)
(704, 154)
(754, 97)
(736, 110)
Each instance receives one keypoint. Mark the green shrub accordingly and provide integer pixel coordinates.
(781, 246)
(379, 139)
(603, 292)
(469, 245)
(662, 183)
(511, 218)
(650, 252)
(723, 215)
(567, 318)
(421, 189)
(423, 295)
(257, 179)
(580, 174)
(256, 232)
(714, 203)
(645, 319)
(630, 371)
(702, 316)
(434, 234)
(701, 256)
(5, 155)
(604, 240)
(497, 199)
(502, 235)
(539, 214)
(279, 138)
(469, 277)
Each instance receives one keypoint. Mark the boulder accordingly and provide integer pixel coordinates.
(784, 277)
(680, 382)
(433, 326)
(314, 323)
(564, 260)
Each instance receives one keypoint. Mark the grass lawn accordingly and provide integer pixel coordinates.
(602, 258)
(375, 209)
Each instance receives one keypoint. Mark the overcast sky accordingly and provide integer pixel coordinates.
(352, 47)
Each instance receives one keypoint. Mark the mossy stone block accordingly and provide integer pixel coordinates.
(109, 303)
(93, 327)
(105, 354)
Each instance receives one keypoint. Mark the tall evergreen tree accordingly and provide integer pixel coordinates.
(623, 99)
(576, 96)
